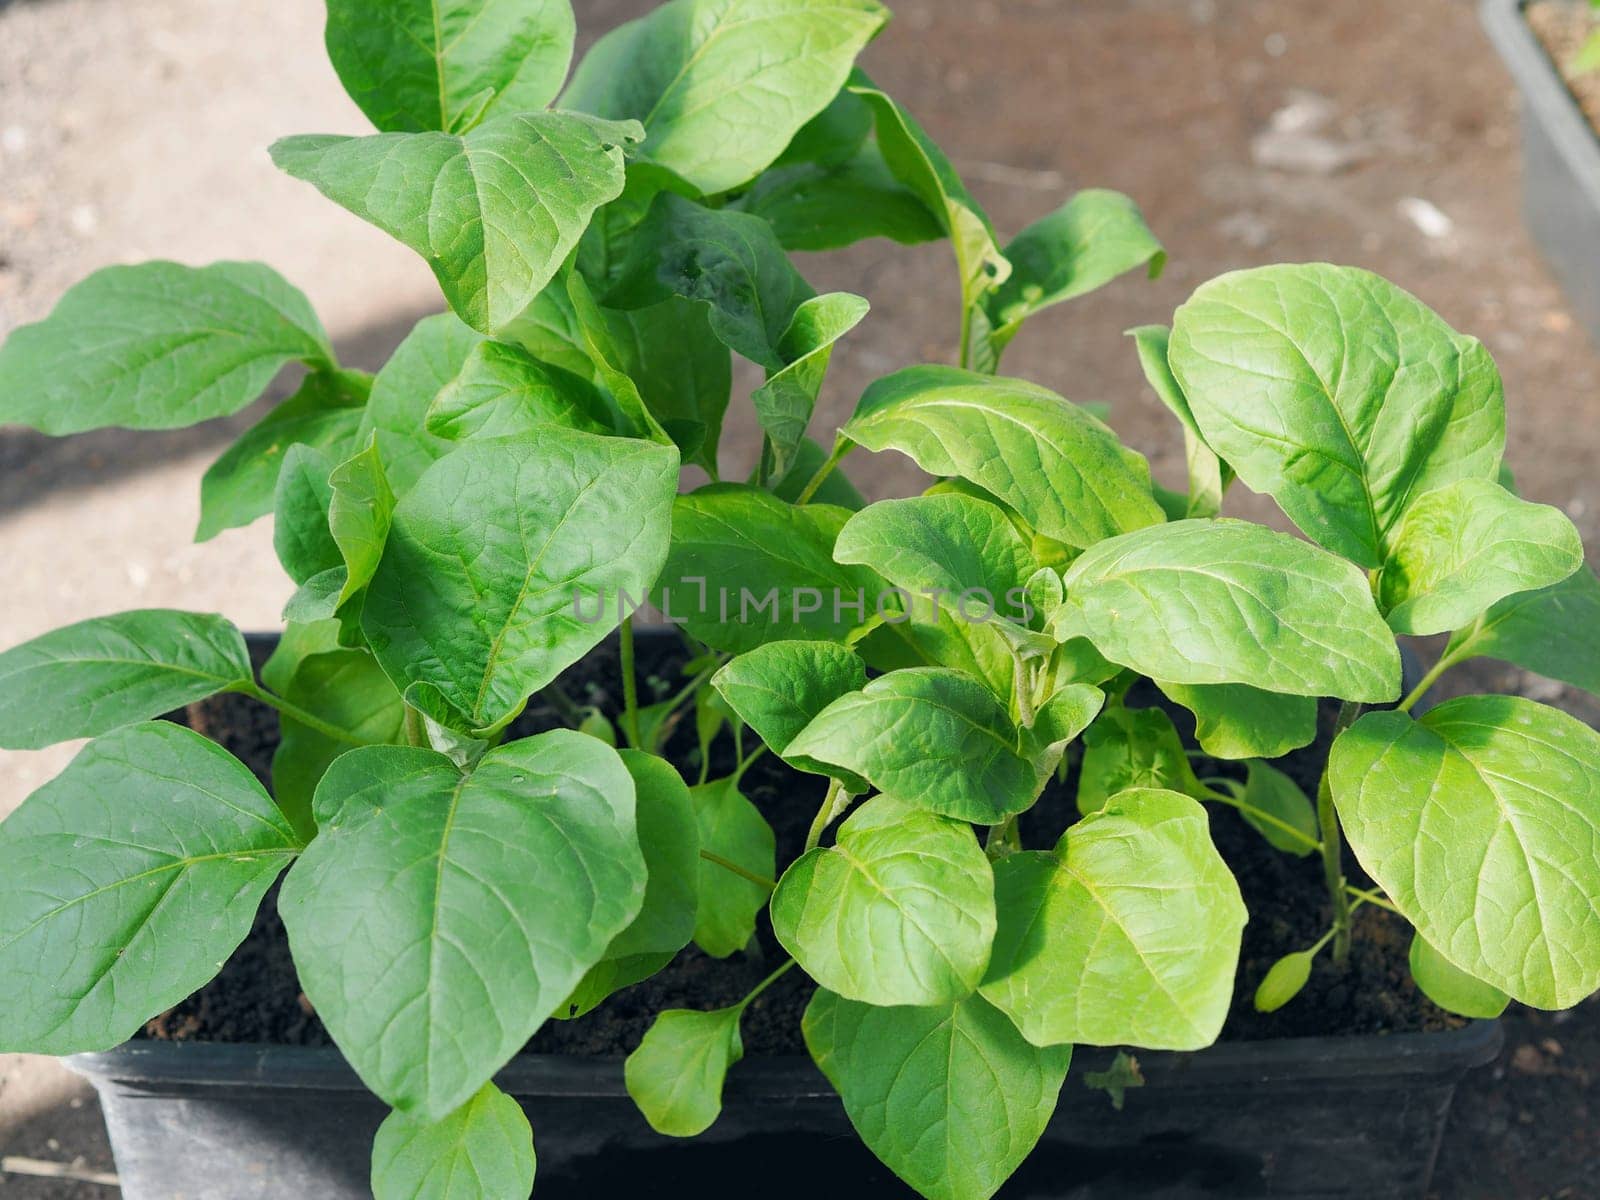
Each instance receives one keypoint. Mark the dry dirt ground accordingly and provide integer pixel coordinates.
(1369, 132)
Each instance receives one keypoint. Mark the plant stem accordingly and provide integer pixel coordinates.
(765, 984)
(556, 697)
(744, 763)
(1427, 681)
(295, 713)
(726, 865)
(841, 447)
(630, 685)
(825, 813)
(1333, 848)
(1244, 806)
(1003, 839)
(1366, 896)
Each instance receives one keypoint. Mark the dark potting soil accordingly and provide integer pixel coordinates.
(257, 998)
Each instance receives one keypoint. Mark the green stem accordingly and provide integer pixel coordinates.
(1446, 661)
(1333, 848)
(295, 713)
(744, 763)
(414, 729)
(1365, 896)
(765, 984)
(751, 876)
(1244, 806)
(1003, 839)
(841, 447)
(825, 813)
(630, 685)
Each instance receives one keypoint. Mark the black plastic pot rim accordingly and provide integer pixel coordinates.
(157, 1066)
(1544, 91)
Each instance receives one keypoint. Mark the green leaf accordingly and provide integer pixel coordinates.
(899, 911)
(921, 166)
(1275, 801)
(300, 532)
(784, 403)
(428, 894)
(1235, 720)
(347, 689)
(317, 599)
(412, 65)
(933, 738)
(1063, 470)
(157, 346)
(831, 137)
(1209, 476)
(722, 85)
(431, 355)
(239, 486)
(360, 510)
(728, 261)
(1461, 548)
(507, 561)
(731, 828)
(125, 883)
(1126, 934)
(1223, 601)
(683, 373)
(778, 688)
(670, 837)
(1345, 432)
(1132, 748)
(494, 212)
(502, 390)
(952, 1099)
(1451, 988)
(1284, 980)
(1083, 245)
(484, 1148)
(1554, 631)
(730, 541)
(1479, 821)
(97, 675)
(606, 352)
(826, 206)
(676, 1074)
(549, 329)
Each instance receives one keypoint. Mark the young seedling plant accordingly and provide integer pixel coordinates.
(476, 518)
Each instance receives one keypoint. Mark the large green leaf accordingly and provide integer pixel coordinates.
(676, 1074)
(1338, 394)
(919, 164)
(1085, 244)
(1132, 748)
(239, 486)
(728, 261)
(784, 403)
(484, 1148)
(778, 688)
(494, 211)
(952, 1098)
(747, 568)
(97, 675)
(126, 882)
(429, 895)
(1063, 470)
(1235, 720)
(1223, 601)
(825, 206)
(733, 829)
(934, 738)
(414, 65)
(431, 355)
(1480, 822)
(157, 346)
(501, 390)
(1209, 476)
(347, 689)
(1554, 631)
(1126, 934)
(509, 559)
(1461, 548)
(722, 85)
(899, 911)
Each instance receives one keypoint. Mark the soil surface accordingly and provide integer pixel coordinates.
(256, 997)
(1565, 27)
